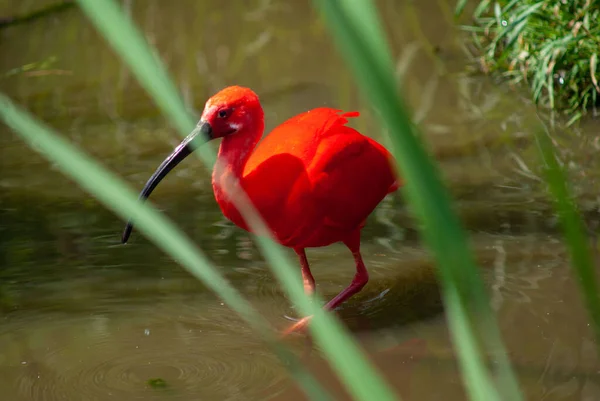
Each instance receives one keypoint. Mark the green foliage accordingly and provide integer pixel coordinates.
(357, 29)
(552, 46)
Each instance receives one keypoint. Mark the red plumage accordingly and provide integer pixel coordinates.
(313, 179)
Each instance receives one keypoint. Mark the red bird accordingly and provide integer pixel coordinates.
(313, 179)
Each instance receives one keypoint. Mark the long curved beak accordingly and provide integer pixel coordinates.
(183, 150)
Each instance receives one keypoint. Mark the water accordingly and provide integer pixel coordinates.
(86, 318)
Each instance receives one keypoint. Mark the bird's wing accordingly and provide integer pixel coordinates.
(351, 174)
(314, 165)
(277, 169)
(298, 136)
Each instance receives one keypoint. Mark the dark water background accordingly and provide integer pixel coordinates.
(86, 318)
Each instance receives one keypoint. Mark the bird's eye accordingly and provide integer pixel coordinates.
(224, 113)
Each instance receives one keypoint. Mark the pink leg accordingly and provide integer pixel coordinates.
(307, 277)
(360, 280)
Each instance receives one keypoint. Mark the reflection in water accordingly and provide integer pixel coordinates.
(86, 318)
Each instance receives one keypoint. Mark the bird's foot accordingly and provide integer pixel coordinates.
(299, 326)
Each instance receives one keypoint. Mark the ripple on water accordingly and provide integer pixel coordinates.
(199, 351)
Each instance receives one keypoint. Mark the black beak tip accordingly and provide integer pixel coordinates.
(181, 152)
(126, 233)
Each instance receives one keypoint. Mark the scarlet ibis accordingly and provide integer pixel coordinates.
(313, 179)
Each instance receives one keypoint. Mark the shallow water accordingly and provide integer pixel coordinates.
(86, 318)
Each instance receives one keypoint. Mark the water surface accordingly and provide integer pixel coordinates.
(86, 318)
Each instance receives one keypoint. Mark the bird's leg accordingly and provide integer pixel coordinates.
(358, 282)
(307, 277)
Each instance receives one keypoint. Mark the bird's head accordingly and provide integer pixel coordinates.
(230, 111)
(233, 111)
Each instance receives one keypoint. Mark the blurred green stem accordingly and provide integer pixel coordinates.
(573, 228)
(356, 28)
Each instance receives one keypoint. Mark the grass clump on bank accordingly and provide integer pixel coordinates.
(552, 46)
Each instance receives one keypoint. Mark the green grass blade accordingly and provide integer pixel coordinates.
(348, 22)
(355, 370)
(517, 25)
(514, 33)
(135, 51)
(479, 386)
(460, 6)
(550, 87)
(519, 39)
(130, 44)
(510, 5)
(481, 8)
(498, 13)
(122, 200)
(573, 228)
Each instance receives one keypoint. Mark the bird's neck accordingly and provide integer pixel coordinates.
(234, 152)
